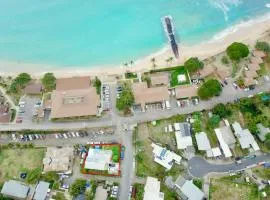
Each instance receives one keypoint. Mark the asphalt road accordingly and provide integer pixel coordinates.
(199, 167)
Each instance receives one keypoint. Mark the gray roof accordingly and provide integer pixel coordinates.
(185, 129)
(191, 191)
(169, 182)
(41, 191)
(263, 131)
(15, 189)
(227, 135)
(202, 141)
(180, 181)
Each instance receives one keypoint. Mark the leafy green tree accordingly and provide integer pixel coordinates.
(262, 46)
(222, 110)
(214, 121)
(248, 105)
(126, 99)
(198, 183)
(267, 140)
(209, 89)
(236, 51)
(19, 82)
(97, 85)
(193, 64)
(49, 81)
(77, 187)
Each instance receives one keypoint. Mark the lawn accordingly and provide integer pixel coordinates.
(13, 161)
(174, 75)
(145, 166)
(262, 172)
(220, 188)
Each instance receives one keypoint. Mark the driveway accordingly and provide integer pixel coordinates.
(199, 167)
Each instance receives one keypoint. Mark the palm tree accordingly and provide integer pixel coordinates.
(126, 65)
(131, 62)
(153, 61)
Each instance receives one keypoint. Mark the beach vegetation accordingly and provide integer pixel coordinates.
(130, 75)
(222, 110)
(225, 60)
(263, 46)
(209, 88)
(126, 99)
(77, 187)
(19, 83)
(174, 76)
(97, 85)
(48, 81)
(236, 51)
(193, 64)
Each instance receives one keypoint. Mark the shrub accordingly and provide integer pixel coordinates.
(209, 89)
(262, 46)
(77, 187)
(225, 60)
(97, 85)
(198, 183)
(193, 64)
(19, 82)
(214, 121)
(33, 176)
(236, 51)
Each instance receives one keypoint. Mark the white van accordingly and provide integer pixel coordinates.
(168, 105)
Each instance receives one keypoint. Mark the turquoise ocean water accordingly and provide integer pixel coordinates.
(100, 32)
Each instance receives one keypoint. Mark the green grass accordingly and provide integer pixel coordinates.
(14, 161)
(220, 188)
(174, 75)
(263, 173)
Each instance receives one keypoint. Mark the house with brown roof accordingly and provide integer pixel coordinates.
(159, 79)
(33, 88)
(144, 95)
(74, 97)
(186, 91)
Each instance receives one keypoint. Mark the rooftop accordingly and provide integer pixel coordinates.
(58, 159)
(15, 189)
(159, 79)
(101, 193)
(152, 189)
(191, 191)
(41, 191)
(73, 83)
(75, 103)
(165, 157)
(224, 146)
(186, 91)
(144, 95)
(98, 159)
(183, 135)
(202, 141)
(263, 131)
(33, 88)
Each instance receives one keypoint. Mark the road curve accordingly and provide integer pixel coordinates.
(199, 167)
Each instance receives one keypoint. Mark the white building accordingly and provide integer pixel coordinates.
(98, 159)
(203, 144)
(191, 191)
(245, 138)
(222, 141)
(183, 135)
(152, 189)
(165, 157)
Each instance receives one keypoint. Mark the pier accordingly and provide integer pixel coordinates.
(169, 30)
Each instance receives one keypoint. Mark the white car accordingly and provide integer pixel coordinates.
(168, 105)
(56, 136)
(65, 136)
(178, 103)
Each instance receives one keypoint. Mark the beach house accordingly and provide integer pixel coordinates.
(74, 97)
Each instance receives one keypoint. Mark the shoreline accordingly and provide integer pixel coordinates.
(248, 32)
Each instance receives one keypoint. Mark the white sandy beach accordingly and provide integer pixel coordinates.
(248, 32)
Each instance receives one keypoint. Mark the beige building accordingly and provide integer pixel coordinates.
(58, 159)
(159, 79)
(74, 97)
(186, 91)
(144, 95)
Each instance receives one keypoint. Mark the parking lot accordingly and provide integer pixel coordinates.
(106, 97)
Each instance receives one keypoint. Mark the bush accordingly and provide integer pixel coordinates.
(59, 196)
(198, 183)
(126, 99)
(33, 176)
(214, 121)
(209, 89)
(225, 60)
(221, 110)
(77, 187)
(236, 51)
(262, 46)
(193, 64)
(48, 81)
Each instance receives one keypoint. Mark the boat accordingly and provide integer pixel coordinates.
(169, 30)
